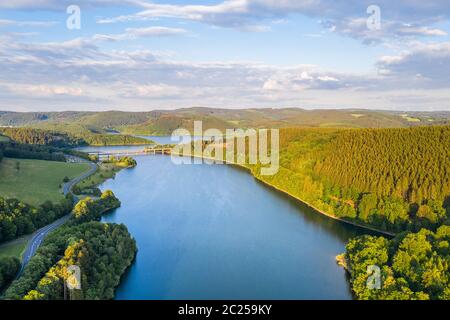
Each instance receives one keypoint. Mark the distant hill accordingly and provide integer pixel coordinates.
(164, 122)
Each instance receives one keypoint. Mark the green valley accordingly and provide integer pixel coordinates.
(392, 180)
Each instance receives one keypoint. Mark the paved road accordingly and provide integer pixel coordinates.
(36, 241)
(39, 235)
(69, 185)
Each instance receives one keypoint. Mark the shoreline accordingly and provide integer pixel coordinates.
(278, 189)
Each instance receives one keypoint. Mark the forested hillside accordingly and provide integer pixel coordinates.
(397, 180)
(41, 137)
(412, 164)
(90, 135)
(393, 179)
(163, 122)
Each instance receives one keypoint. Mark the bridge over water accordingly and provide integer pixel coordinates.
(125, 153)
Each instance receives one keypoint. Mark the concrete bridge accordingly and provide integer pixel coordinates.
(126, 153)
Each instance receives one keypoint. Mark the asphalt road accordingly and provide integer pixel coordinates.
(67, 187)
(36, 241)
(39, 236)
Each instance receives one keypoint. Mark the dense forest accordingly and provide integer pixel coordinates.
(411, 266)
(41, 137)
(17, 218)
(94, 136)
(102, 251)
(393, 179)
(411, 164)
(68, 135)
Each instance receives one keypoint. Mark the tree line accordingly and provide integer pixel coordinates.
(102, 251)
(28, 151)
(18, 218)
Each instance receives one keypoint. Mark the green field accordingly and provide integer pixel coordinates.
(105, 171)
(14, 248)
(35, 181)
(3, 138)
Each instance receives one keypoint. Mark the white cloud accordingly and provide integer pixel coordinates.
(79, 74)
(402, 18)
(39, 91)
(154, 32)
(399, 18)
(16, 23)
(155, 91)
(427, 64)
(63, 4)
(134, 33)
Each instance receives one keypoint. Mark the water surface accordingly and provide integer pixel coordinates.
(214, 232)
(156, 139)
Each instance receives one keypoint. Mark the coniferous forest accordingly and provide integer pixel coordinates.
(395, 180)
(392, 179)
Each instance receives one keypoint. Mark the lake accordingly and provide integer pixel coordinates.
(161, 140)
(214, 232)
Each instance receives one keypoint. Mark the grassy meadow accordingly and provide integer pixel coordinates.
(105, 171)
(14, 248)
(35, 181)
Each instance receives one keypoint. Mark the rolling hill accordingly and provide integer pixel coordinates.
(164, 122)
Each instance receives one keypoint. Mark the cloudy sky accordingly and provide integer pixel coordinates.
(143, 55)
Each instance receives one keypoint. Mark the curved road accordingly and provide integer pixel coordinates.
(39, 235)
(69, 185)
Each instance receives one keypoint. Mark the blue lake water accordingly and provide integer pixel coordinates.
(156, 139)
(214, 232)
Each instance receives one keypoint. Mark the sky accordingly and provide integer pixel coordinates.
(138, 55)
